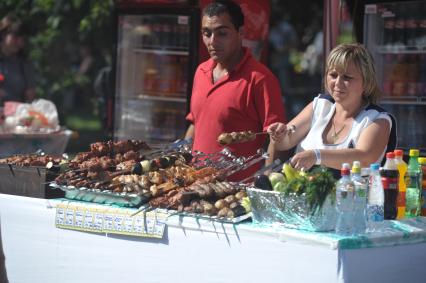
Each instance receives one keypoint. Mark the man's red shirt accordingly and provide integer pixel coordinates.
(248, 98)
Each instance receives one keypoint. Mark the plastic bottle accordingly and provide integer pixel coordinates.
(402, 169)
(413, 183)
(390, 176)
(422, 162)
(375, 200)
(411, 25)
(399, 76)
(345, 202)
(421, 84)
(360, 203)
(388, 31)
(387, 74)
(412, 74)
(421, 28)
(400, 31)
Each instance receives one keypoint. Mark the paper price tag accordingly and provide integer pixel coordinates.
(128, 224)
(88, 220)
(69, 216)
(118, 223)
(108, 219)
(60, 216)
(139, 225)
(98, 222)
(79, 217)
(150, 225)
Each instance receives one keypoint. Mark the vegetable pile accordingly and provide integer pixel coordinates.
(316, 184)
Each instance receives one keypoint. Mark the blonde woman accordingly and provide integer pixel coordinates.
(345, 124)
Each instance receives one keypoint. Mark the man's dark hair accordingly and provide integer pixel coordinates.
(219, 7)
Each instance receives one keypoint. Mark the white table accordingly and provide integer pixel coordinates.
(191, 251)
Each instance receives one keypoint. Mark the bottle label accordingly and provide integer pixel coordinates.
(412, 181)
(361, 193)
(375, 213)
(390, 183)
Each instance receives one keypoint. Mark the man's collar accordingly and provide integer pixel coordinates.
(210, 64)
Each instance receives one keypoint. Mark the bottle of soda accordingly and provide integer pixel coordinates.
(402, 169)
(388, 32)
(375, 200)
(390, 176)
(345, 202)
(421, 82)
(387, 74)
(360, 203)
(399, 75)
(411, 22)
(421, 27)
(400, 32)
(413, 184)
(412, 75)
(422, 163)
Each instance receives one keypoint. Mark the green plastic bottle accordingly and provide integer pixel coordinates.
(413, 184)
(402, 169)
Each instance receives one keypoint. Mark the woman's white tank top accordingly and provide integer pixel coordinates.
(324, 108)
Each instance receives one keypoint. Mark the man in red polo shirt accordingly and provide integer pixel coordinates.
(232, 91)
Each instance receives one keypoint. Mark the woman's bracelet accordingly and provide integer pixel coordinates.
(317, 156)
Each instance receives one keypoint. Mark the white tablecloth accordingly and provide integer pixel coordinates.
(36, 251)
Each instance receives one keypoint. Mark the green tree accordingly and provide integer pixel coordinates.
(57, 29)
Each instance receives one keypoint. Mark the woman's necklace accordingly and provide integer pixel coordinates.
(335, 134)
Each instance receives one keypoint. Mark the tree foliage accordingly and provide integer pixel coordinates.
(57, 29)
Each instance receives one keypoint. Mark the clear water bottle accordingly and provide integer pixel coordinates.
(375, 200)
(345, 190)
(360, 202)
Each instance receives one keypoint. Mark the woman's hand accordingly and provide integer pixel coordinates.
(277, 131)
(303, 160)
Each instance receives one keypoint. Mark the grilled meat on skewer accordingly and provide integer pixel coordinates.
(112, 148)
(30, 160)
(236, 137)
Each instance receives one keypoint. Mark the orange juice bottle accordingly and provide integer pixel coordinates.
(402, 169)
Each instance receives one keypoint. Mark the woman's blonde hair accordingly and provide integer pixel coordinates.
(356, 53)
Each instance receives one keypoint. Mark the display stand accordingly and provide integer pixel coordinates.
(52, 143)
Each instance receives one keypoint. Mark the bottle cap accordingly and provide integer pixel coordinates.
(356, 167)
(374, 166)
(414, 152)
(345, 169)
(390, 155)
(422, 160)
(398, 152)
